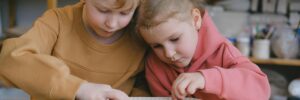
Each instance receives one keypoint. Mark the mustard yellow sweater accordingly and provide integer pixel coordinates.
(56, 55)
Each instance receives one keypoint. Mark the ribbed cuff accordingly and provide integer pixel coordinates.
(66, 90)
(213, 81)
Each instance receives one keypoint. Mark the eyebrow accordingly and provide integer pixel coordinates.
(170, 37)
(175, 35)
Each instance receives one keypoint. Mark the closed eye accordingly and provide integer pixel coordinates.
(124, 13)
(156, 46)
(174, 39)
(103, 10)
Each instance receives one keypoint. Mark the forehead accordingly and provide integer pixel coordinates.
(164, 31)
(114, 4)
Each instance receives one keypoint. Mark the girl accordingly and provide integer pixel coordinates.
(86, 50)
(190, 57)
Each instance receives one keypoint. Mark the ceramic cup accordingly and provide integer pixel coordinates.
(243, 44)
(261, 49)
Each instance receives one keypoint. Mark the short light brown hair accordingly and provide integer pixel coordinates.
(155, 12)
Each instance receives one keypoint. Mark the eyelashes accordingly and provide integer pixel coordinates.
(173, 40)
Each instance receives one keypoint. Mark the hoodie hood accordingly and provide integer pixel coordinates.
(209, 40)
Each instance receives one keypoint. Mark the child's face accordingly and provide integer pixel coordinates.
(106, 20)
(173, 41)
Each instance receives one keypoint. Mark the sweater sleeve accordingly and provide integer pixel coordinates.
(140, 88)
(237, 79)
(26, 62)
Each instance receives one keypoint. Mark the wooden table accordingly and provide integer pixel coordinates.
(157, 98)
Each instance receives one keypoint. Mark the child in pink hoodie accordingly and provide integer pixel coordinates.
(190, 58)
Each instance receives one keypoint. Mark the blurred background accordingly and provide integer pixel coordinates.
(266, 31)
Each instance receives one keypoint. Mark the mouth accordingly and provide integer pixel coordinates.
(108, 32)
(177, 60)
(179, 63)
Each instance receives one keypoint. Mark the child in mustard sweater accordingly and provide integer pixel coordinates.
(86, 51)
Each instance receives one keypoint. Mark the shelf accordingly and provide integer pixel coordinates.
(276, 61)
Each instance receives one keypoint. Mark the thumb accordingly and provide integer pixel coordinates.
(116, 95)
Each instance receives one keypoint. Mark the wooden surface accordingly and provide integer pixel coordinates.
(12, 13)
(52, 4)
(1, 41)
(277, 61)
(157, 98)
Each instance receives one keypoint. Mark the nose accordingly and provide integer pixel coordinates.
(170, 53)
(111, 22)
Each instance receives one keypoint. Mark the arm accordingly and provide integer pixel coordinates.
(155, 86)
(140, 87)
(91, 91)
(237, 73)
(187, 84)
(26, 62)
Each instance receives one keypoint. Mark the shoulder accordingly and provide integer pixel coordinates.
(58, 15)
(232, 55)
(232, 51)
(70, 11)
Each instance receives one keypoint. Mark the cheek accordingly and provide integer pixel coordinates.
(124, 21)
(188, 47)
(96, 19)
(193, 46)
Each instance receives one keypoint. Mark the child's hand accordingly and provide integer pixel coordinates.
(187, 84)
(91, 91)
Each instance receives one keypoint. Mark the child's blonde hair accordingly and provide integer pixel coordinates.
(122, 3)
(119, 4)
(155, 12)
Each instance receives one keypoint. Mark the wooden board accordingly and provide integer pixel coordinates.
(276, 61)
(157, 98)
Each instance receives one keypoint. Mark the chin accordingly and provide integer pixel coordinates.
(106, 35)
(181, 65)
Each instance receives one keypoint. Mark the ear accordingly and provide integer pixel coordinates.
(197, 19)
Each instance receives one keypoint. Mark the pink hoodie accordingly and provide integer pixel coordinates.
(228, 75)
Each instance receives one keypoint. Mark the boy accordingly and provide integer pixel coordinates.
(191, 59)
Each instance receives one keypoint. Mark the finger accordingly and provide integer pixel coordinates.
(105, 86)
(176, 94)
(181, 87)
(178, 86)
(192, 88)
(173, 96)
(98, 97)
(116, 95)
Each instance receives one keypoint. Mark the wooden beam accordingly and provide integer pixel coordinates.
(52, 4)
(12, 13)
